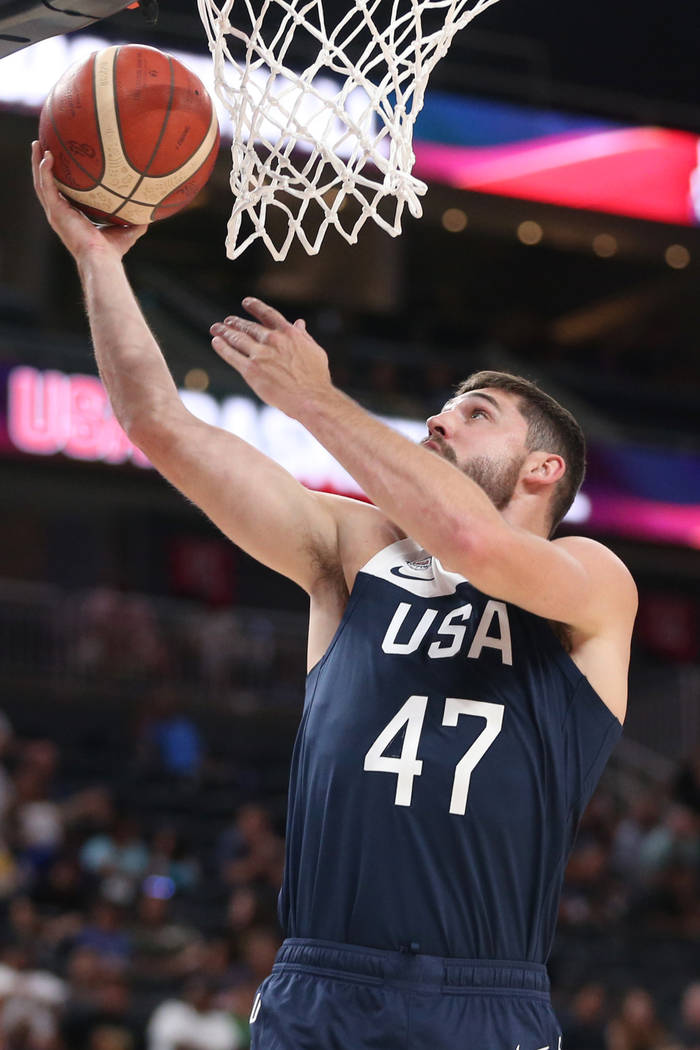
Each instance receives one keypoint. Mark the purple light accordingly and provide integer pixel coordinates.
(159, 886)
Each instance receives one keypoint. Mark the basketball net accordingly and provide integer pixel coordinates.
(306, 145)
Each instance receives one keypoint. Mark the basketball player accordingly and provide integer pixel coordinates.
(467, 674)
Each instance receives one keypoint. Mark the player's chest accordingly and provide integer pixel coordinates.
(411, 607)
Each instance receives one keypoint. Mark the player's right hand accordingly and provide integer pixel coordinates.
(79, 235)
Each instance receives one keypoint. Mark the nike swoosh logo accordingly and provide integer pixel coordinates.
(398, 571)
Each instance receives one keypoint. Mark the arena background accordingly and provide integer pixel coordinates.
(152, 674)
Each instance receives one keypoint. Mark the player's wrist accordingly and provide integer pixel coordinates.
(319, 403)
(94, 255)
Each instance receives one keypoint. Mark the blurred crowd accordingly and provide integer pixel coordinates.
(640, 866)
(119, 936)
(123, 928)
(130, 638)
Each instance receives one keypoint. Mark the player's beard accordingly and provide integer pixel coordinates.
(497, 477)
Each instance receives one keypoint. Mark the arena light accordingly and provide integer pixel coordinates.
(529, 232)
(454, 220)
(573, 160)
(196, 379)
(677, 256)
(605, 245)
(580, 510)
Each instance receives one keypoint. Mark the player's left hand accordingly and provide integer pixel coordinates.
(279, 360)
(78, 233)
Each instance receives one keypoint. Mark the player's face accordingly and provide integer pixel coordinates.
(484, 435)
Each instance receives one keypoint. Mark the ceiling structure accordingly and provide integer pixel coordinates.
(634, 58)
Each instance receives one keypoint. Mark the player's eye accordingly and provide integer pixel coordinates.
(478, 412)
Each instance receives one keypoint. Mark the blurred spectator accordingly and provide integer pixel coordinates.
(250, 850)
(260, 946)
(37, 819)
(84, 972)
(689, 1029)
(163, 948)
(584, 1027)
(171, 859)
(97, 648)
(635, 1026)
(232, 982)
(104, 933)
(643, 815)
(216, 964)
(21, 928)
(676, 839)
(119, 635)
(88, 812)
(237, 650)
(238, 1002)
(145, 652)
(110, 1037)
(117, 857)
(673, 904)
(242, 908)
(169, 742)
(588, 894)
(222, 647)
(60, 889)
(192, 1023)
(110, 1009)
(31, 1004)
(250, 906)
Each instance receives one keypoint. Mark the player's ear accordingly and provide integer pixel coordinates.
(543, 469)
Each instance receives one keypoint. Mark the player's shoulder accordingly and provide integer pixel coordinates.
(606, 568)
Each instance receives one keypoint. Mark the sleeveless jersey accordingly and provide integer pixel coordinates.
(447, 748)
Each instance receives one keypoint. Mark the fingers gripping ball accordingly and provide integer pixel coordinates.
(133, 132)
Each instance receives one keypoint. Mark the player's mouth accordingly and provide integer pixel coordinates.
(435, 445)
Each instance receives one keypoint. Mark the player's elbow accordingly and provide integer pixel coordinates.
(150, 428)
(140, 427)
(466, 549)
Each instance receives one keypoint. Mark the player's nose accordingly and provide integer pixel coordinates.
(439, 424)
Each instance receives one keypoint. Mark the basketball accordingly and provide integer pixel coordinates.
(133, 133)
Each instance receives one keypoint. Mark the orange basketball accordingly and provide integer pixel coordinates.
(133, 133)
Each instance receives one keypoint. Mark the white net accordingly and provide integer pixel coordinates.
(331, 145)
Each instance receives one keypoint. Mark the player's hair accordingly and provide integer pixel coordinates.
(550, 428)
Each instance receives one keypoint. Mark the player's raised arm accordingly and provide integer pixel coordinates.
(482, 505)
(251, 498)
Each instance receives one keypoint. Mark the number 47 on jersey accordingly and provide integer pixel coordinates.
(407, 765)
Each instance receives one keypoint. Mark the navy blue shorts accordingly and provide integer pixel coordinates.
(325, 996)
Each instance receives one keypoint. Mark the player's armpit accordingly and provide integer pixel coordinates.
(573, 580)
(252, 499)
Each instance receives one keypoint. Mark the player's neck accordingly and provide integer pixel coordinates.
(524, 512)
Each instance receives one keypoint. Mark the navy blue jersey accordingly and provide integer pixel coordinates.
(447, 748)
